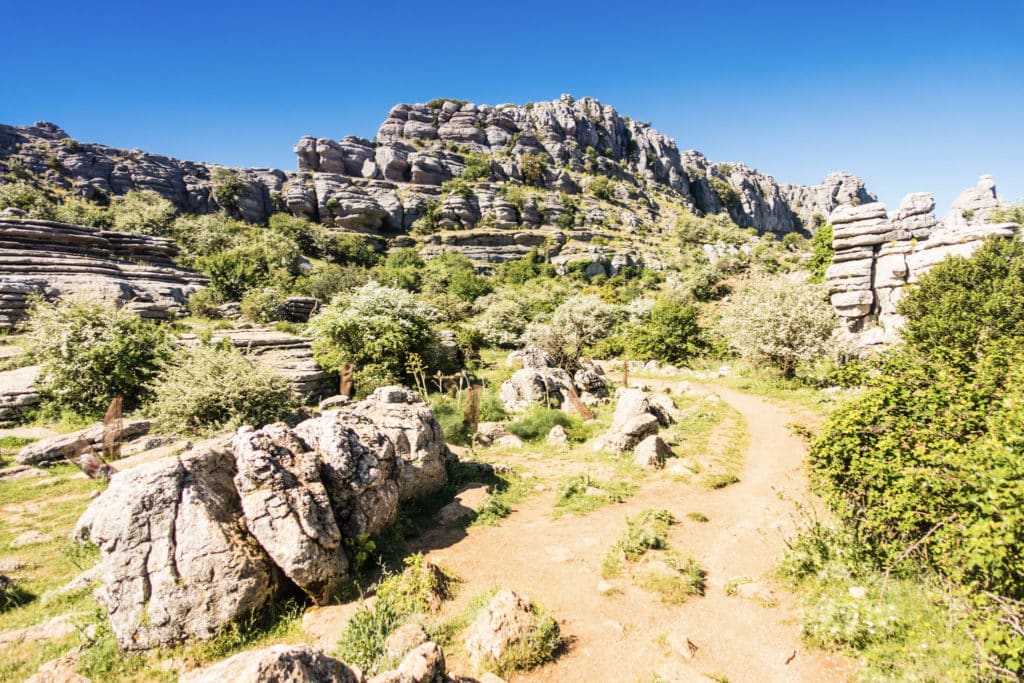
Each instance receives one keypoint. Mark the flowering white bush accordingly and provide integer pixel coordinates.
(782, 322)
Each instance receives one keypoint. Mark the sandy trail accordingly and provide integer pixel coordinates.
(631, 635)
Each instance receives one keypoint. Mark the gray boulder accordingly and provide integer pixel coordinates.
(420, 448)
(651, 453)
(175, 559)
(287, 508)
(55, 448)
(357, 468)
(277, 663)
(507, 620)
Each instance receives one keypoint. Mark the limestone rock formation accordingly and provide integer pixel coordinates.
(18, 394)
(877, 256)
(55, 260)
(176, 561)
(635, 419)
(281, 663)
(651, 453)
(53, 449)
(420, 448)
(541, 381)
(358, 469)
(287, 509)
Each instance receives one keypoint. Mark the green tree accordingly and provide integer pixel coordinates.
(780, 322)
(670, 333)
(821, 253)
(533, 166)
(962, 304)
(373, 325)
(454, 274)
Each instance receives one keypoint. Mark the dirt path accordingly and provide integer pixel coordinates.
(628, 634)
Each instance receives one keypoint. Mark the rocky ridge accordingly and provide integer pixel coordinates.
(191, 543)
(530, 181)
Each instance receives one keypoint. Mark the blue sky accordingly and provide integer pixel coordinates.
(912, 96)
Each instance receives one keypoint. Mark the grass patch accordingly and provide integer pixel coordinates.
(720, 481)
(542, 645)
(698, 517)
(687, 580)
(419, 589)
(904, 628)
(445, 633)
(10, 445)
(678, 578)
(582, 493)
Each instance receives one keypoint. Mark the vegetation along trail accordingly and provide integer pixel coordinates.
(618, 631)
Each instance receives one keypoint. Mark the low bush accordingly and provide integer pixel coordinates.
(206, 389)
(535, 424)
(91, 354)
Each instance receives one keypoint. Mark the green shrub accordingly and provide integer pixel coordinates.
(28, 198)
(821, 253)
(645, 531)
(964, 304)
(454, 274)
(601, 187)
(327, 280)
(531, 267)
(578, 322)
(204, 303)
(206, 235)
(91, 354)
(372, 325)
(206, 389)
(533, 166)
(228, 188)
(670, 333)
(142, 211)
(535, 424)
(478, 167)
(263, 305)
(402, 268)
(726, 193)
(261, 261)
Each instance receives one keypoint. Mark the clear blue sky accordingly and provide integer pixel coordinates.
(912, 96)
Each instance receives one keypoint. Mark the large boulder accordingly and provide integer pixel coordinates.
(287, 508)
(277, 663)
(175, 559)
(420, 447)
(535, 385)
(358, 469)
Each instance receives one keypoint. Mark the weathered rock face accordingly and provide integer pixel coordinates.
(98, 172)
(47, 451)
(380, 189)
(176, 561)
(420, 448)
(280, 663)
(191, 543)
(287, 509)
(876, 255)
(635, 419)
(60, 260)
(18, 394)
(357, 468)
(540, 381)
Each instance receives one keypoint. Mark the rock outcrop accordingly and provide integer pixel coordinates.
(878, 255)
(176, 561)
(191, 543)
(47, 451)
(541, 381)
(287, 509)
(636, 418)
(18, 394)
(381, 189)
(57, 260)
(508, 620)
